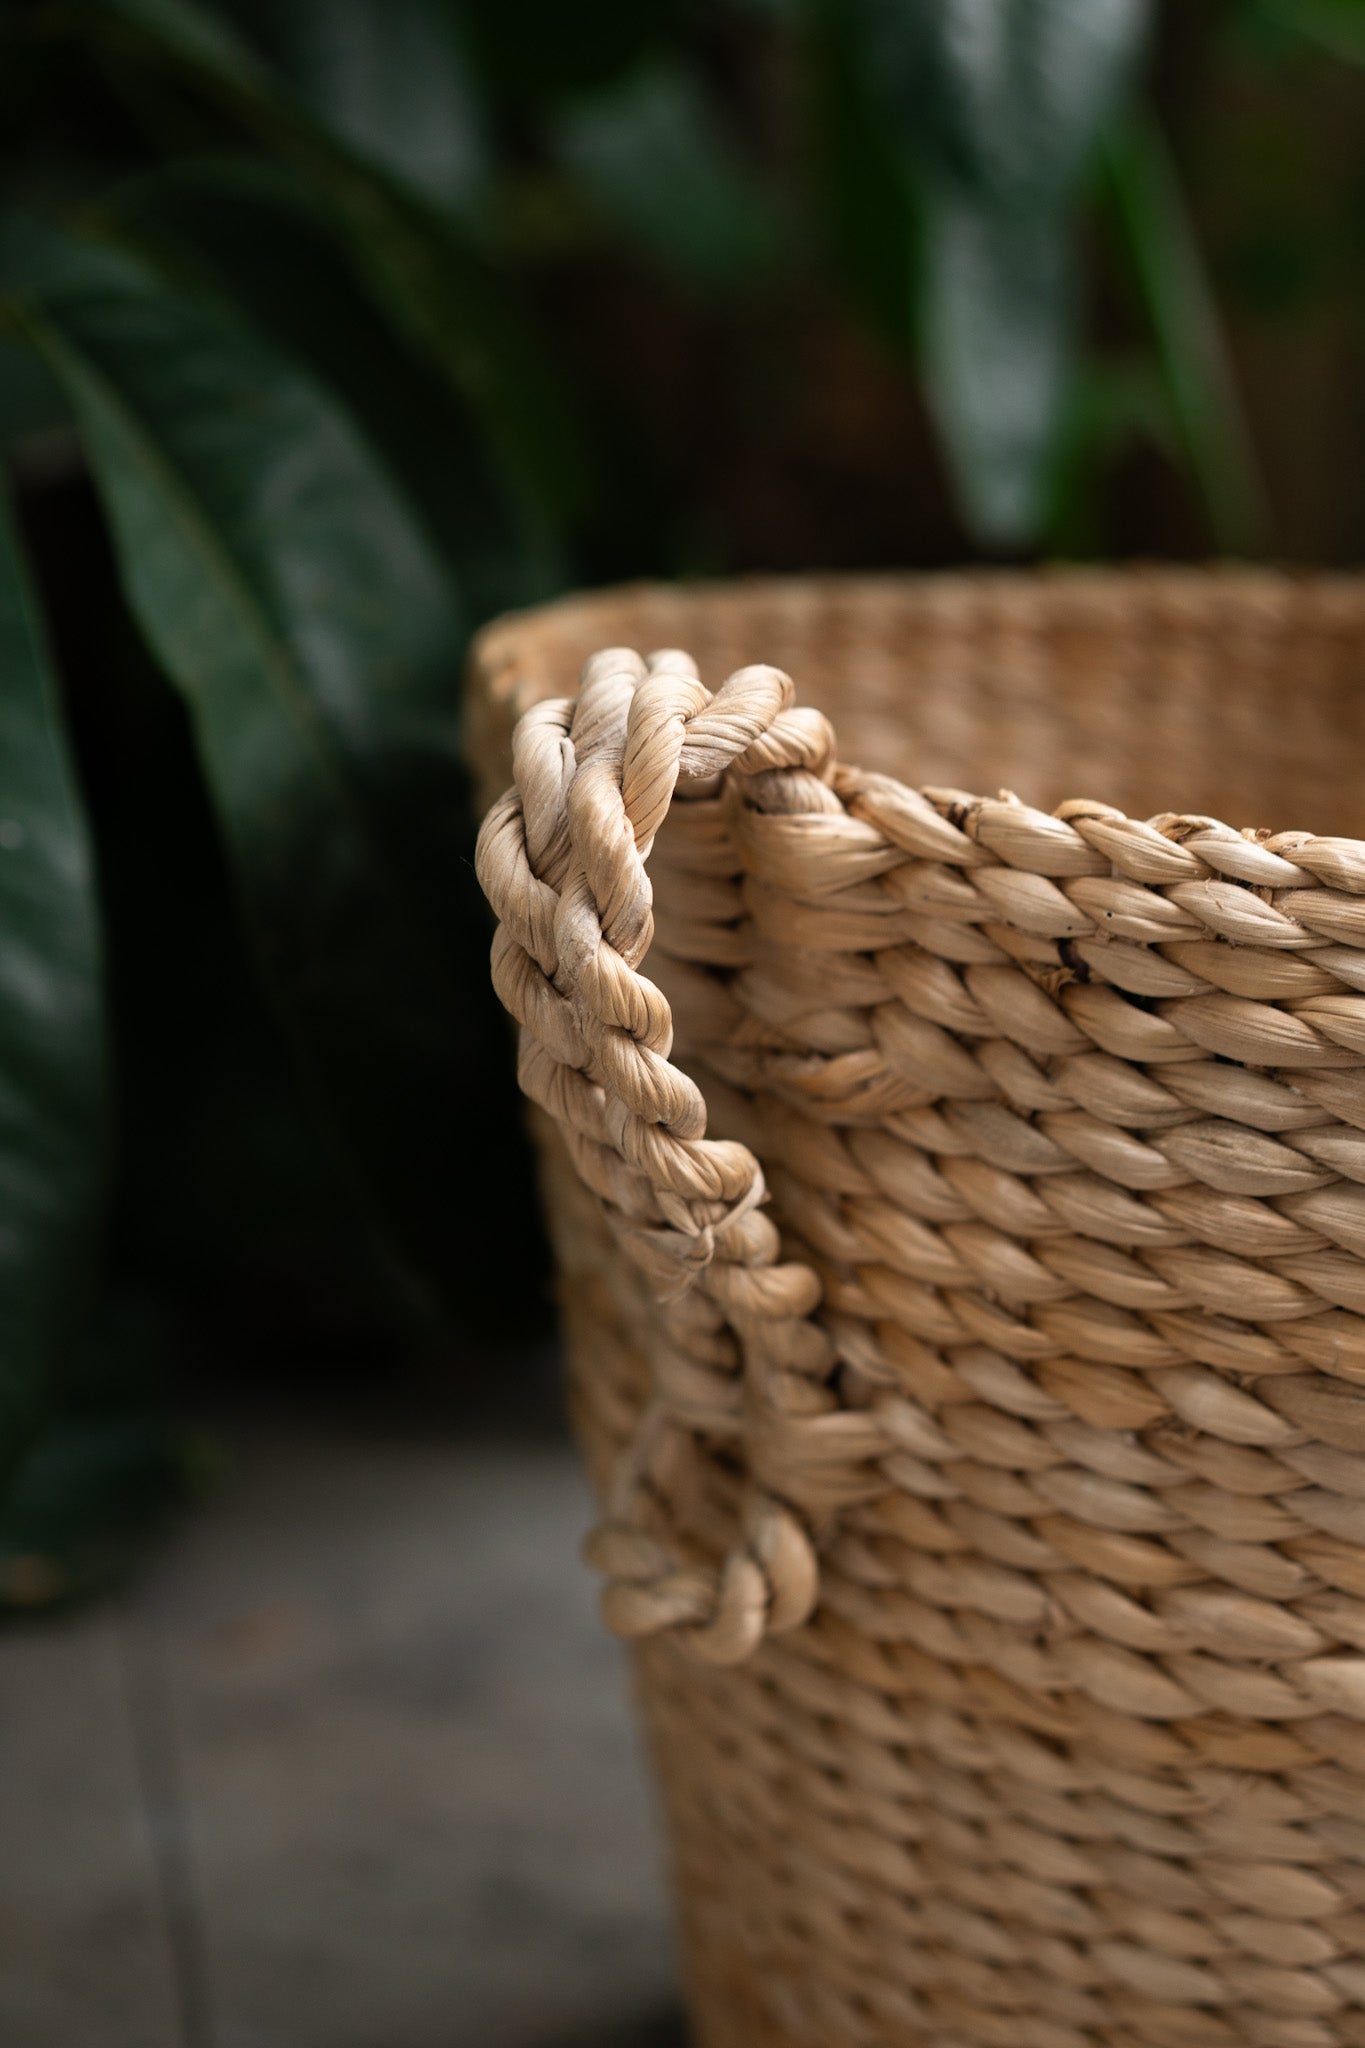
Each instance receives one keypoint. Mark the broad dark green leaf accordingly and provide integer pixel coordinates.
(1001, 104)
(244, 228)
(1188, 333)
(997, 340)
(1333, 28)
(30, 401)
(289, 595)
(1010, 97)
(649, 157)
(52, 1049)
(391, 78)
(424, 268)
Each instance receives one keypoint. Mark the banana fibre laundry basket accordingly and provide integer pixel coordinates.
(959, 1202)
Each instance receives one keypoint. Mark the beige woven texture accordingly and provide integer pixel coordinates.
(961, 1206)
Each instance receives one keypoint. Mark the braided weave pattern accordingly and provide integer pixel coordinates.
(1065, 1114)
(562, 860)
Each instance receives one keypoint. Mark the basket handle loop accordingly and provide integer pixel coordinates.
(562, 860)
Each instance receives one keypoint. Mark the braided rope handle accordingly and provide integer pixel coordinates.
(561, 858)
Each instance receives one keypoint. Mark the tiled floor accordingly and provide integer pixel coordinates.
(351, 1768)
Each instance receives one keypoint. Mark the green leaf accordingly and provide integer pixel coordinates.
(52, 1049)
(649, 156)
(435, 282)
(391, 79)
(1001, 104)
(30, 402)
(1014, 95)
(290, 597)
(997, 339)
(1181, 310)
(1333, 28)
(243, 228)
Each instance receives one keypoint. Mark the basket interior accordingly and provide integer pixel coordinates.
(1235, 694)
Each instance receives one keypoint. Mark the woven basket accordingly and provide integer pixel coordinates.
(989, 1504)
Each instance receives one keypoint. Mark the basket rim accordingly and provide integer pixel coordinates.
(497, 650)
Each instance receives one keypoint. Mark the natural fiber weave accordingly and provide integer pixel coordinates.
(1007, 1467)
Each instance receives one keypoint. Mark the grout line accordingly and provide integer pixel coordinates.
(156, 1760)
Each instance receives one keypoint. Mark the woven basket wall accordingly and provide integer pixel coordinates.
(984, 1479)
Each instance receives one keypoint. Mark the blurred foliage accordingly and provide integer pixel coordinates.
(330, 327)
(52, 1052)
